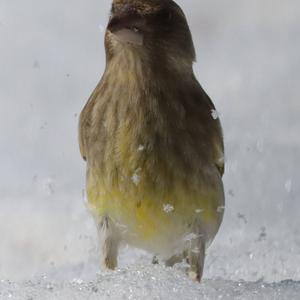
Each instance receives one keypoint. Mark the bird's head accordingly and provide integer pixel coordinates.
(156, 29)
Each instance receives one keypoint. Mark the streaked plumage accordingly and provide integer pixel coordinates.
(154, 152)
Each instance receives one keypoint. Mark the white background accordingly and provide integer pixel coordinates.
(51, 58)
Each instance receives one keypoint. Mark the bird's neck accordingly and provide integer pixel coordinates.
(134, 68)
(127, 69)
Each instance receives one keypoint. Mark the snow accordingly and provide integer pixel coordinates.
(141, 148)
(136, 178)
(220, 209)
(288, 185)
(168, 208)
(102, 28)
(248, 62)
(59, 260)
(145, 282)
(215, 114)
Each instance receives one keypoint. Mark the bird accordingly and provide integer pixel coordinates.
(152, 141)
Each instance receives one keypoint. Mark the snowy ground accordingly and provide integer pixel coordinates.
(147, 283)
(51, 59)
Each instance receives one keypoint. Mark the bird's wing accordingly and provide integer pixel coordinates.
(217, 134)
(220, 161)
(218, 142)
(85, 121)
(80, 137)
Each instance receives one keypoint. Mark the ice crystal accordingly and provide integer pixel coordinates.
(168, 208)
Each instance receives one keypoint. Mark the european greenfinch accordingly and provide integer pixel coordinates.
(152, 140)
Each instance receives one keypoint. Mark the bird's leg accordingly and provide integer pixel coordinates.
(177, 258)
(196, 256)
(109, 240)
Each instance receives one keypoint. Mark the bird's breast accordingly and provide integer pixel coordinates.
(149, 167)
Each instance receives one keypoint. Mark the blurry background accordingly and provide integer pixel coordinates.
(51, 58)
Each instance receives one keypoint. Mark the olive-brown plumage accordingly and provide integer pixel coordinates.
(153, 147)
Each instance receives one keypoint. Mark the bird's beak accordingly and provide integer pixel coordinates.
(126, 26)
